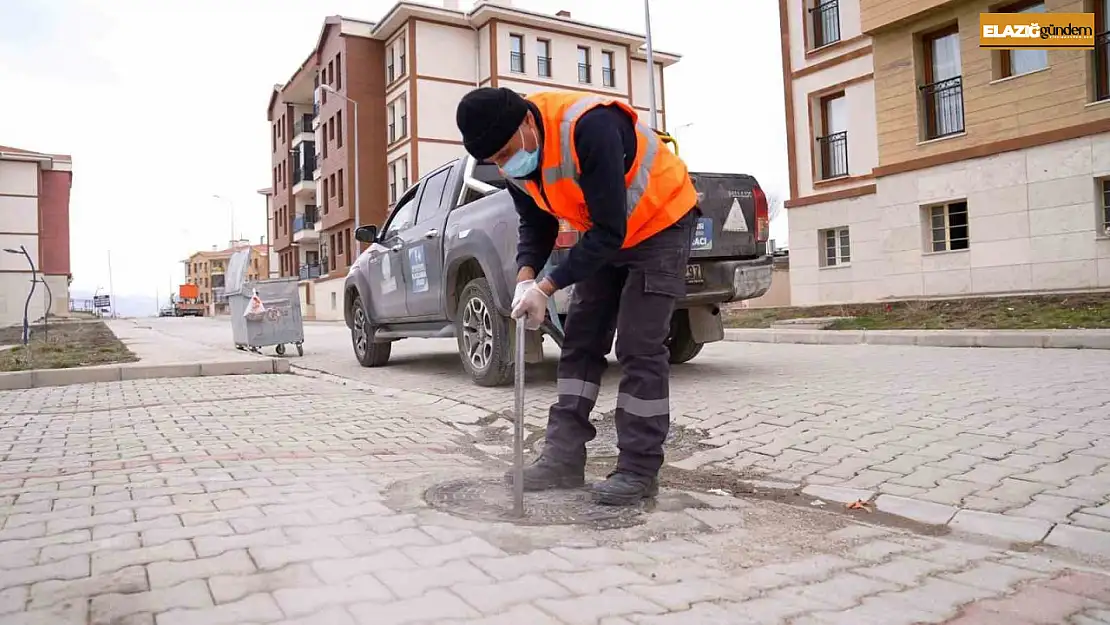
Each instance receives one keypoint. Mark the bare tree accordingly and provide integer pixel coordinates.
(774, 206)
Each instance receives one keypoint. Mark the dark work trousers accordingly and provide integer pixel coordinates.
(634, 297)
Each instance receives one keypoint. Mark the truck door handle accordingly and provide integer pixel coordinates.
(396, 247)
(431, 234)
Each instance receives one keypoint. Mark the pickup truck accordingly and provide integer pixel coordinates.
(444, 266)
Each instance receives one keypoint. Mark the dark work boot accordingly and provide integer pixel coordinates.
(622, 488)
(547, 473)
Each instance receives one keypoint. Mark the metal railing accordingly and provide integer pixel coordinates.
(543, 66)
(309, 271)
(1102, 66)
(608, 77)
(583, 72)
(305, 220)
(304, 124)
(825, 18)
(389, 74)
(393, 193)
(403, 131)
(302, 171)
(401, 65)
(392, 133)
(516, 62)
(834, 155)
(943, 102)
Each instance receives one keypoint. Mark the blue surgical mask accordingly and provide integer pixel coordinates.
(523, 162)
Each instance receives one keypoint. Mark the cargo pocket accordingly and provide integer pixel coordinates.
(667, 284)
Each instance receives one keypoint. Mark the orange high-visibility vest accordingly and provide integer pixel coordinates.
(658, 185)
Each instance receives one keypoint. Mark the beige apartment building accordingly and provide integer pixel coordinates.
(407, 72)
(922, 165)
(208, 269)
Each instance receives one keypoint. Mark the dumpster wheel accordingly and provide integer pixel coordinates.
(280, 349)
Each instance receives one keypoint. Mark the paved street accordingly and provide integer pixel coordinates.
(287, 499)
(1023, 432)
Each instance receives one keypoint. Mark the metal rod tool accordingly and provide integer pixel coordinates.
(518, 422)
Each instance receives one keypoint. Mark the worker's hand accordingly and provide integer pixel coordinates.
(530, 303)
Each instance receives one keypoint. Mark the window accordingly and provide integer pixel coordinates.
(942, 94)
(608, 74)
(1018, 62)
(516, 53)
(832, 145)
(339, 129)
(401, 56)
(1105, 207)
(392, 183)
(403, 215)
(393, 122)
(583, 64)
(338, 73)
(350, 244)
(331, 129)
(405, 173)
(837, 247)
(1101, 52)
(431, 197)
(824, 17)
(543, 58)
(331, 261)
(403, 107)
(339, 183)
(948, 226)
(324, 194)
(390, 72)
(331, 184)
(331, 73)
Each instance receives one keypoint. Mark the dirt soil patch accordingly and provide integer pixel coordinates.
(1042, 312)
(63, 346)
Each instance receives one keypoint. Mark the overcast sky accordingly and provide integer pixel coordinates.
(163, 105)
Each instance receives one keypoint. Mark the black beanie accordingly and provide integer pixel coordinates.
(488, 118)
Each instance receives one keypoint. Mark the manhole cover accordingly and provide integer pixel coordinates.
(604, 445)
(490, 499)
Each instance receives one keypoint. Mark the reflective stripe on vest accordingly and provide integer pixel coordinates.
(566, 169)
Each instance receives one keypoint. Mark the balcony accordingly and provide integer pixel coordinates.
(1102, 66)
(309, 271)
(943, 104)
(516, 62)
(833, 152)
(584, 72)
(543, 66)
(825, 19)
(302, 129)
(304, 226)
(304, 163)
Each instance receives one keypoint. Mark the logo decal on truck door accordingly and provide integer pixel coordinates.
(736, 221)
(418, 271)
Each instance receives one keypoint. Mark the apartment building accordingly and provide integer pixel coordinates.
(208, 270)
(271, 254)
(34, 214)
(407, 72)
(922, 165)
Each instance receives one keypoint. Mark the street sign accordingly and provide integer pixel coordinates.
(102, 301)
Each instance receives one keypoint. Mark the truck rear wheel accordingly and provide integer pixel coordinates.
(483, 336)
(681, 341)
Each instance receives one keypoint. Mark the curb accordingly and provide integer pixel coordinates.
(40, 378)
(1005, 527)
(1046, 339)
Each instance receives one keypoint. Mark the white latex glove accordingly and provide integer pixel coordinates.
(530, 303)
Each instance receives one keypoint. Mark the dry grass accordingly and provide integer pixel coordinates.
(63, 346)
(1080, 311)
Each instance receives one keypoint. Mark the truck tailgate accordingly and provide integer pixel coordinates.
(729, 222)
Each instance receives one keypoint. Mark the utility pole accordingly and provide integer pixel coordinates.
(651, 65)
(111, 286)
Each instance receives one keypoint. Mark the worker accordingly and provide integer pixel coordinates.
(590, 161)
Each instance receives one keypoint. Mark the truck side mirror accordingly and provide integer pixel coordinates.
(366, 234)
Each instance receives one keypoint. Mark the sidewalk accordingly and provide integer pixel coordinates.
(284, 499)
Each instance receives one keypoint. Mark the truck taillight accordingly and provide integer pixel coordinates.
(762, 218)
(568, 236)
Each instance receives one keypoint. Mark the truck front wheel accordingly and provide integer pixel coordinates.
(368, 353)
(681, 341)
(483, 336)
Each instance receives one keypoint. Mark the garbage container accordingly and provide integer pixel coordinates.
(278, 323)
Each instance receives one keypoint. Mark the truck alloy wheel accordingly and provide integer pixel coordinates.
(368, 353)
(483, 336)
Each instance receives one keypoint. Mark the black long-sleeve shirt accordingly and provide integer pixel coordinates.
(605, 140)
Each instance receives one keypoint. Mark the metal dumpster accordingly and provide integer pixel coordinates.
(280, 322)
